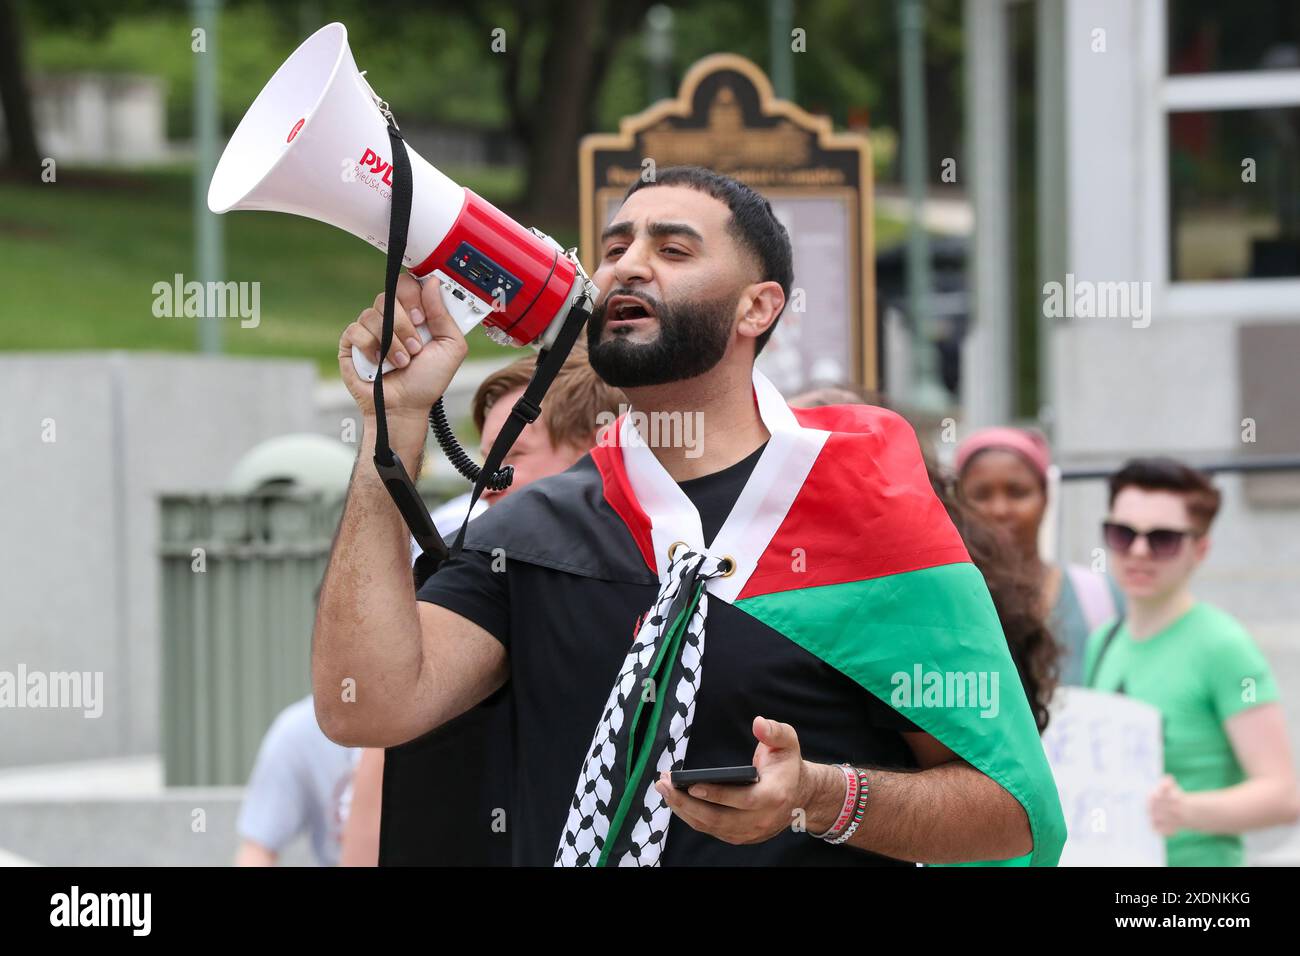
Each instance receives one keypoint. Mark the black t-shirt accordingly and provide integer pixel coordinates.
(567, 635)
(447, 794)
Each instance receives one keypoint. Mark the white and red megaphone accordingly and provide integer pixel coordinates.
(315, 143)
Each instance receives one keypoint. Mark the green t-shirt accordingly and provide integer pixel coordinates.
(1199, 671)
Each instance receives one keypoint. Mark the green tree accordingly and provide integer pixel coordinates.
(22, 155)
(557, 54)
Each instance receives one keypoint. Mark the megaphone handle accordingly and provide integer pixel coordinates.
(463, 310)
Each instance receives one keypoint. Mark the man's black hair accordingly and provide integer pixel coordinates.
(752, 223)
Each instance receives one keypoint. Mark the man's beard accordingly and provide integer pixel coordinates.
(692, 339)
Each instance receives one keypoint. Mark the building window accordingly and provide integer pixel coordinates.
(1230, 112)
(1214, 36)
(1234, 194)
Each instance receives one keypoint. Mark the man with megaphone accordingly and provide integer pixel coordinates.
(765, 597)
(847, 631)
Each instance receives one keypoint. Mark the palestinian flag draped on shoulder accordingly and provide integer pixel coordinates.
(840, 544)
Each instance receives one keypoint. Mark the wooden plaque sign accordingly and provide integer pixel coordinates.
(726, 117)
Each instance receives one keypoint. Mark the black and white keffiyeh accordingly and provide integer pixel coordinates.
(617, 818)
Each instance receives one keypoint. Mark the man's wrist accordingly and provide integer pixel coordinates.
(400, 416)
(407, 432)
(403, 420)
(823, 795)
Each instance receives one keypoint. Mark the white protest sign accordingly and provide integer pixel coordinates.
(1107, 756)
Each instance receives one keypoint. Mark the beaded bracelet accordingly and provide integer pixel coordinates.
(850, 801)
(858, 811)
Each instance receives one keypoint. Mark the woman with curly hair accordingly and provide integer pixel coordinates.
(1013, 586)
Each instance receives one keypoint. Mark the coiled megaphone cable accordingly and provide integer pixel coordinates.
(499, 480)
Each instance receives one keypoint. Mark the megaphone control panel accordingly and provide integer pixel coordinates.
(493, 280)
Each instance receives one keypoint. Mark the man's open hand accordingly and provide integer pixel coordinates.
(751, 813)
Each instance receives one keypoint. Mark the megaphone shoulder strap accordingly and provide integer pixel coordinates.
(526, 408)
(391, 471)
(389, 466)
(399, 218)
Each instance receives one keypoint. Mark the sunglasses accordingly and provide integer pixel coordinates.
(1161, 542)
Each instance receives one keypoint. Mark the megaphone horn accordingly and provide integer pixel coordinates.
(315, 143)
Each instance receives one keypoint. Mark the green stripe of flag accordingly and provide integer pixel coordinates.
(922, 642)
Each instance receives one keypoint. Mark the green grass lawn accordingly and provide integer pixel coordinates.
(79, 259)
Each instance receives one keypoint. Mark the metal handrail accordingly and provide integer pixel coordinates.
(1261, 463)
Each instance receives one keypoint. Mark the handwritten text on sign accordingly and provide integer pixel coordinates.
(1107, 756)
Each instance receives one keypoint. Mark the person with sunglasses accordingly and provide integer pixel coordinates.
(1227, 759)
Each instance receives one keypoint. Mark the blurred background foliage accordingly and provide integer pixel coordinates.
(569, 67)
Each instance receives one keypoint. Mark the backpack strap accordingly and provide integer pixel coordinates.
(1094, 595)
(1105, 646)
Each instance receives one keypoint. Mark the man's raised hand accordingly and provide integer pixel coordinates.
(421, 372)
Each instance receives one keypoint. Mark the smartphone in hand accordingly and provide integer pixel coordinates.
(683, 779)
